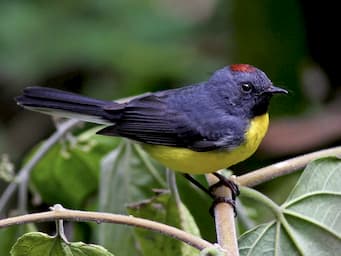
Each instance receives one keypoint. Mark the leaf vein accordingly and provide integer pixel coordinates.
(336, 217)
(305, 196)
(329, 176)
(259, 237)
(311, 221)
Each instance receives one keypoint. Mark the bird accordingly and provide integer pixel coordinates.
(196, 129)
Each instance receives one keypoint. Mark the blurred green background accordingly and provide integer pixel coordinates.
(114, 49)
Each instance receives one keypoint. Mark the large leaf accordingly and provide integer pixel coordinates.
(309, 222)
(165, 209)
(127, 176)
(68, 173)
(40, 244)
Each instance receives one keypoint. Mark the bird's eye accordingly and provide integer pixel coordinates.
(247, 87)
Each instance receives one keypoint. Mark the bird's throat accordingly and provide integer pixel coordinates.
(261, 108)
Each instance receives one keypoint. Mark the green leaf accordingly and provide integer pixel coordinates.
(68, 173)
(165, 209)
(309, 222)
(262, 241)
(40, 244)
(127, 176)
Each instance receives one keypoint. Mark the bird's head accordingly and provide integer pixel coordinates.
(245, 87)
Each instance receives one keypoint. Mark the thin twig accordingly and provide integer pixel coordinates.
(171, 180)
(23, 175)
(224, 219)
(285, 167)
(58, 213)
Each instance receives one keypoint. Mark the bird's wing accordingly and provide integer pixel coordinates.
(151, 119)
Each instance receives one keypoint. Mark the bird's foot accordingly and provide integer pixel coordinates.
(221, 199)
(223, 181)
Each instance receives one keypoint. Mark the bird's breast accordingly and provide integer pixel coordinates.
(189, 161)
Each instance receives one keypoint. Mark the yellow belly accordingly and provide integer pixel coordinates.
(189, 161)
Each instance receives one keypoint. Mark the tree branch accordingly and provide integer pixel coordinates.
(23, 175)
(224, 219)
(58, 212)
(285, 167)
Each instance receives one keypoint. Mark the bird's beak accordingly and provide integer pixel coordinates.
(273, 89)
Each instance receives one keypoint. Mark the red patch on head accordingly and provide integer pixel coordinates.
(242, 68)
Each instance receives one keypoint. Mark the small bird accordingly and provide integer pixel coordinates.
(195, 129)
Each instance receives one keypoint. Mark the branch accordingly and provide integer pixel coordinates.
(58, 212)
(24, 174)
(285, 167)
(224, 219)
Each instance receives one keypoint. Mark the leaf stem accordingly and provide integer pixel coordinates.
(23, 175)
(58, 213)
(60, 224)
(270, 172)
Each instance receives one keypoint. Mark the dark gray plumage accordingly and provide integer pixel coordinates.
(206, 116)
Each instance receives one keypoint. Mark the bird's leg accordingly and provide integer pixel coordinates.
(223, 181)
(198, 184)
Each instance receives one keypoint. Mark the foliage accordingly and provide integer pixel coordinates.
(308, 223)
(166, 209)
(71, 164)
(40, 244)
(125, 178)
(305, 223)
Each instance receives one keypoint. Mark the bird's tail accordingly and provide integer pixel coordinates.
(71, 105)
